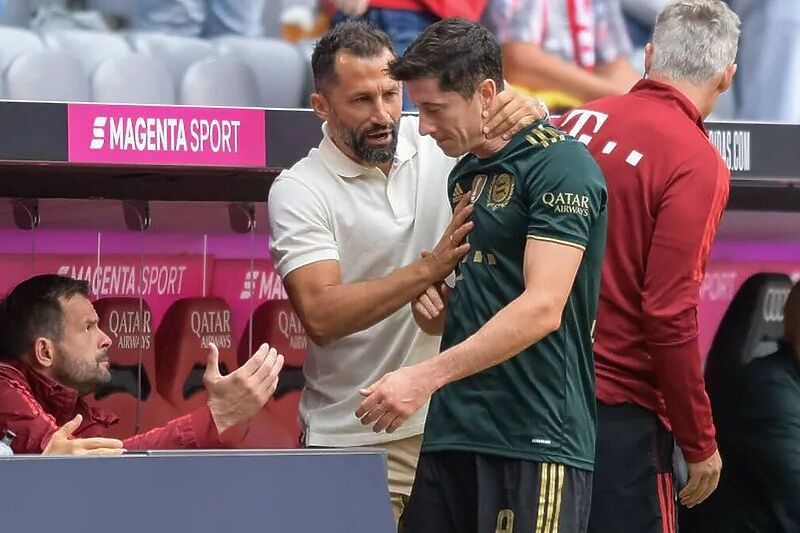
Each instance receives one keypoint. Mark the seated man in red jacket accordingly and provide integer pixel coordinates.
(53, 353)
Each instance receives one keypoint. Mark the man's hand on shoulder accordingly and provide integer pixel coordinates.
(510, 113)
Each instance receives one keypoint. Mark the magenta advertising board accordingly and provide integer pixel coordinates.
(160, 279)
(166, 135)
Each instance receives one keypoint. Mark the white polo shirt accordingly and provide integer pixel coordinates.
(328, 207)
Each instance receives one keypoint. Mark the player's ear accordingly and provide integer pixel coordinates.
(487, 91)
(727, 78)
(648, 58)
(320, 105)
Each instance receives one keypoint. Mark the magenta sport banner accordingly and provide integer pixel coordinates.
(166, 135)
(160, 279)
(245, 285)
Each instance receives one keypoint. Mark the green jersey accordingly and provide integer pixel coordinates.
(540, 404)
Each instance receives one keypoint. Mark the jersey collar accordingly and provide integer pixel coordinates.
(656, 90)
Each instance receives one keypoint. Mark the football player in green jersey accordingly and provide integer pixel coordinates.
(509, 439)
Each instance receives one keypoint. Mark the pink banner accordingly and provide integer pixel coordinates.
(720, 285)
(245, 286)
(160, 279)
(164, 135)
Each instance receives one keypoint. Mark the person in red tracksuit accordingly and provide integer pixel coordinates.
(54, 352)
(667, 188)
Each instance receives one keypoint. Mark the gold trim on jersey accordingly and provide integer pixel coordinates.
(558, 241)
(544, 136)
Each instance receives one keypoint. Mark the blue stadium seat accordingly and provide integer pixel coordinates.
(220, 82)
(67, 80)
(133, 79)
(15, 42)
(178, 53)
(279, 67)
(90, 47)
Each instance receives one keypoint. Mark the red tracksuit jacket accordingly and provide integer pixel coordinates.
(667, 188)
(34, 406)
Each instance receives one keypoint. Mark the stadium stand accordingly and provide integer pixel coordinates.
(90, 47)
(279, 68)
(220, 82)
(177, 52)
(133, 79)
(68, 79)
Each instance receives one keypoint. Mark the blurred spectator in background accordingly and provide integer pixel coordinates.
(768, 82)
(403, 20)
(640, 18)
(202, 18)
(760, 487)
(566, 51)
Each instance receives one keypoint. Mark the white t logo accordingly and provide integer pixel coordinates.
(583, 116)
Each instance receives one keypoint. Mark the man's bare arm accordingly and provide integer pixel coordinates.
(528, 65)
(330, 309)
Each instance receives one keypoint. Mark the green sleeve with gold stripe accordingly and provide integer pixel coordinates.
(566, 192)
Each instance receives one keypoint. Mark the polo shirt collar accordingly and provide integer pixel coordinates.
(341, 165)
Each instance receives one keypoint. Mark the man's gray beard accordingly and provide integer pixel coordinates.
(364, 153)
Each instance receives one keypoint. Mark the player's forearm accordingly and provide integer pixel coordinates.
(679, 375)
(523, 322)
(531, 67)
(431, 326)
(342, 310)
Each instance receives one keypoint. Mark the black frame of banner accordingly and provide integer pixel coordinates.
(764, 160)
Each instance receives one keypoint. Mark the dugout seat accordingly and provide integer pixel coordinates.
(128, 321)
(181, 347)
(750, 328)
(276, 323)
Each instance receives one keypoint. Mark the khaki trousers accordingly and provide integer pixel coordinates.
(402, 462)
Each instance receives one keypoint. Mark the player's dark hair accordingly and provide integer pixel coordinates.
(460, 53)
(33, 309)
(359, 38)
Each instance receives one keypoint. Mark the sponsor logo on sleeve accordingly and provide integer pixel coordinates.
(567, 203)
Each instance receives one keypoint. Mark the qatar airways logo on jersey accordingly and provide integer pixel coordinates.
(567, 202)
(170, 134)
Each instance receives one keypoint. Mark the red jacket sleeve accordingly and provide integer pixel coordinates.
(686, 221)
(193, 431)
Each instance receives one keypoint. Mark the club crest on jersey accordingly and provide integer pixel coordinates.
(478, 183)
(501, 191)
